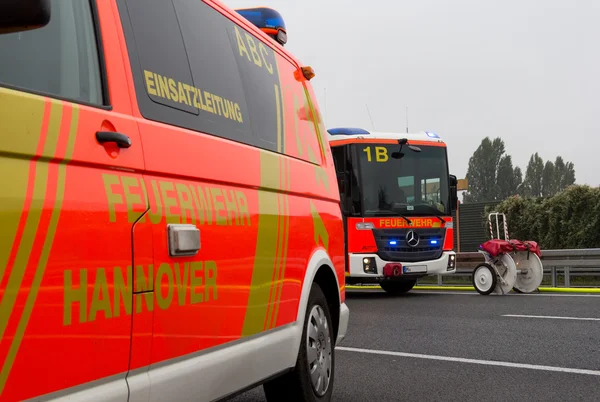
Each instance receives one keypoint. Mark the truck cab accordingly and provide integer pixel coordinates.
(397, 198)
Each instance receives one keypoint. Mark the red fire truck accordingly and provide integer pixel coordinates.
(397, 198)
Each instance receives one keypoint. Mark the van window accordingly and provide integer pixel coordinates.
(164, 73)
(211, 100)
(215, 70)
(190, 71)
(60, 59)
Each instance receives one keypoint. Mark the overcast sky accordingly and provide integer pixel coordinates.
(527, 71)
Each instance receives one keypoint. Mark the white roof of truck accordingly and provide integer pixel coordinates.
(352, 134)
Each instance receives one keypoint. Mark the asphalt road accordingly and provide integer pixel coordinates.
(541, 359)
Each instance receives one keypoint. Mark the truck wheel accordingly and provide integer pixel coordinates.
(312, 377)
(397, 287)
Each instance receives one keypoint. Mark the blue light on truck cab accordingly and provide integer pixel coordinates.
(432, 135)
(347, 131)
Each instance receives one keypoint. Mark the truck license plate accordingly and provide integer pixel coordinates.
(413, 269)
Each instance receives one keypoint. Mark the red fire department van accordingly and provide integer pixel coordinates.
(171, 227)
(397, 199)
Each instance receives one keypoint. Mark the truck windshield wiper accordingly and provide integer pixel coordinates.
(440, 218)
(406, 219)
(435, 214)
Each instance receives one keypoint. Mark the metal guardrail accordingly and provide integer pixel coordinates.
(568, 263)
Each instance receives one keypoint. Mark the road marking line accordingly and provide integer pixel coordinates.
(433, 292)
(473, 361)
(551, 317)
(510, 294)
(465, 288)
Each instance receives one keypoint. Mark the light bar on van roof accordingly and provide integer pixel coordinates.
(432, 135)
(267, 20)
(347, 131)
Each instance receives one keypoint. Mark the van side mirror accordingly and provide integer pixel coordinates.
(453, 183)
(23, 15)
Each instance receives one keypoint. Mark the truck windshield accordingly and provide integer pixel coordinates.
(414, 184)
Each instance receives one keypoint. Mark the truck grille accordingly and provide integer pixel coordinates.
(430, 247)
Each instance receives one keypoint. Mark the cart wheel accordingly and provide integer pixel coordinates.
(484, 279)
(530, 281)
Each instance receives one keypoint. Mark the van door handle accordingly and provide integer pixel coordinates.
(121, 140)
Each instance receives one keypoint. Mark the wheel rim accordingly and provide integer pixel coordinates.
(483, 279)
(318, 350)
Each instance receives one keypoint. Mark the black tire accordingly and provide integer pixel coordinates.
(494, 279)
(297, 385)
(398, 287)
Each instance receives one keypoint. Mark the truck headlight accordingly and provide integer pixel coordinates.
(369, 265)
(451, 262)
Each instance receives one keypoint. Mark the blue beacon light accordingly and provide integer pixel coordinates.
(267, 20)
(347, 131)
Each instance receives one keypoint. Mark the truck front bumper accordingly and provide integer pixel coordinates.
(370, 266)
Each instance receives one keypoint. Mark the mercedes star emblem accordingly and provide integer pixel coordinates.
(412, 238)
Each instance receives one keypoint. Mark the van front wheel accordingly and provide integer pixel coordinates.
(312, 377)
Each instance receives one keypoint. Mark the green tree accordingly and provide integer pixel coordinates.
(564, 174)
(518, 179)
(532, 185)
(508, 178)
(492, 176)
(482, 172)
(548, 180)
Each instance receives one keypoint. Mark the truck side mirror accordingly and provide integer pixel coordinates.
(453, 182)
(344, 188)
(342, 179)
(23, 15)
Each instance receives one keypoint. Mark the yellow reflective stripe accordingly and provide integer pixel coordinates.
(266, 246)
(283, 229)
(27, 114)
(320, 230)
(278, 256)
(279, 101)
(296, 126)
(21, 113)
(31, 226)
(278, 250)
(280, 137)
(72, 134)
(322, 177)
(315, 121)
(286, 236)
(271, 244)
